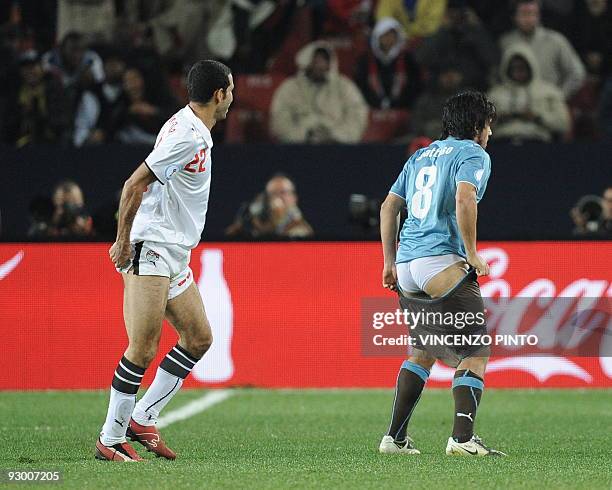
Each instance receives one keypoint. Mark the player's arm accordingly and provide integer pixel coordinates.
(467, 213)
(131, 197)
(389, 225)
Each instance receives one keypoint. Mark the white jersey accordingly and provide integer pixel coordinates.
(173, 209)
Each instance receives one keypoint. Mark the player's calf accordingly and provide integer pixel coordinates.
(126, 381)
(467, 390)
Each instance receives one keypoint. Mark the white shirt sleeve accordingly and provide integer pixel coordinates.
(170, 156)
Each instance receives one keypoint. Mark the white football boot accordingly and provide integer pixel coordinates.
(473, 447)
(389, 446)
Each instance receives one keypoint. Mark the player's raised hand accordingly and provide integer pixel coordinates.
(389, 277)
(120, 253)
(478, 263)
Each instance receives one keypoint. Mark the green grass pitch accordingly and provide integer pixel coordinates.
(321, 439)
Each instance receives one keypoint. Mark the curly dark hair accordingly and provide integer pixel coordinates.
(466, 114)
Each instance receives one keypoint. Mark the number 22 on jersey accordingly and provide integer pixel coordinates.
(421, 199)
(200, 158)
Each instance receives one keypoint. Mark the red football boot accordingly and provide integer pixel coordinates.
(149, 437)
(120, 453)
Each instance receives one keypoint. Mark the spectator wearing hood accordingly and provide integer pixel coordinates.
(419, 18)
(318, 105)
(528, 108)
(462, 42)
(387, 75)
(558, 60)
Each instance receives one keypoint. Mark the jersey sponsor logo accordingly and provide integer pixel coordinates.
(152, 257)
(197, 164)
(478, 174)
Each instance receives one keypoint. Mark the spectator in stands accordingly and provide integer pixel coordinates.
(36, 109)
(141, 110)
(463, 42)
(348, 16)
(273, 213)
(605, 110)
(559, 62)
(528, 108)
(70, 218)
(387, 75)
(95, 113)
(318, 105)
(75, 65)
(592, 215)
(592, 34)
(419, 18)
(427, 114)
(41, 211)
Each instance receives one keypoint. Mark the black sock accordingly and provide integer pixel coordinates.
(410, 382)
(128, 377)
(467, 390)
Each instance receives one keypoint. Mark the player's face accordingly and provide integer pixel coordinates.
(483, 138)
(527, 17)
(224, 104)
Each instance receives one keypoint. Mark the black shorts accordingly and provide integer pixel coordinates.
(452, 327)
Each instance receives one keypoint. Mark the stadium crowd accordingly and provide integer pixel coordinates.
(84, 72)
(88, 72)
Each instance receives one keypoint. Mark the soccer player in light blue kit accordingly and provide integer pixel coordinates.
(440, 186)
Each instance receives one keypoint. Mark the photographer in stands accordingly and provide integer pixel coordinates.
(70, 218)
(273, 213)
(592, 216)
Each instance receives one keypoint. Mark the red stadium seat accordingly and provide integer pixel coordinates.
(247, 120)
(386, 125)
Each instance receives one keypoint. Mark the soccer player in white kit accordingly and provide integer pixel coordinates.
(161, 218)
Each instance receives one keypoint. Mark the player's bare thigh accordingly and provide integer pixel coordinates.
(440, 284)
(144, 304)
(445, 280)
(187, 315)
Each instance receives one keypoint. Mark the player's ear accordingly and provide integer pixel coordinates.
(218, 96)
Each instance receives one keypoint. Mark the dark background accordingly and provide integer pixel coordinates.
(529, 194)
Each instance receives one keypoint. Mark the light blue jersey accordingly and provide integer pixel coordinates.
(428, 184)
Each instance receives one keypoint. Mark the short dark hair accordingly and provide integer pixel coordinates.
(517, 3)
(72, 36)
(206, 77)
(466, 114)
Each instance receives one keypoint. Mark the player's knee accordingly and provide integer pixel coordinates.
(142, 354)
(198, 344)
(424, 360)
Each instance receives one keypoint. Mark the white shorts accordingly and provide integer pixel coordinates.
(414, 275)
(161, 259)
